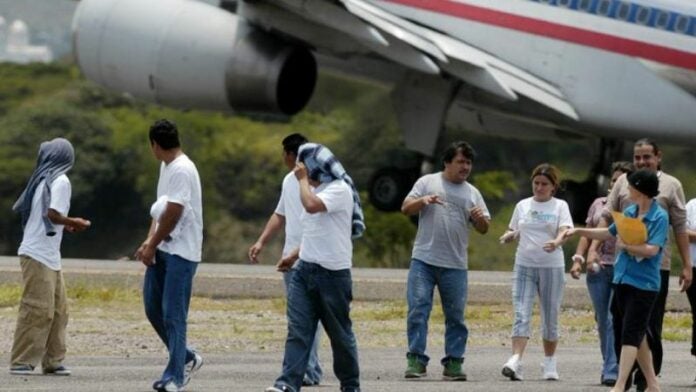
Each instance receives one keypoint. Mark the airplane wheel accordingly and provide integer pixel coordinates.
(388, 188)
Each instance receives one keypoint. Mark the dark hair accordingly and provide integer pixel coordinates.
(458, 147)
(165, 134)
(647, 142)
(645, 182)
(292, 143)
(549, 171)
(622, 166)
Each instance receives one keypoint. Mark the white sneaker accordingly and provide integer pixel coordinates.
(171, 386)
(191, 367)
(548, 369)
(513, 368)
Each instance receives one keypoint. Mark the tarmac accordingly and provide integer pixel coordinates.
(381, 369)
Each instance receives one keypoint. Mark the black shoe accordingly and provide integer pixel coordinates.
(609, 382)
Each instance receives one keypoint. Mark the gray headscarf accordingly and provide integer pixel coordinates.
(56, 157)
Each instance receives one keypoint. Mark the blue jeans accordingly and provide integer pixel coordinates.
(314, 372)
(452, 285)
(601, 291)
(318, 294)
(166, 294)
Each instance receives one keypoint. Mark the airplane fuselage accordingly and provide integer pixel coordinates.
(628, 67)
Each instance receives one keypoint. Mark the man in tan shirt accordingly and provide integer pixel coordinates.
(647, 155)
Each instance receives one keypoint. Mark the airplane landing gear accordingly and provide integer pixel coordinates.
(389, 186)
(580, 195)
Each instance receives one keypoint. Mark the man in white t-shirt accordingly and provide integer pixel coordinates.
(171, 253)
(43, 309)
(287, 214)
(447, 204)
(321, 286)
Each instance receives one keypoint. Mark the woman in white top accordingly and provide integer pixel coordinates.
(539, 223)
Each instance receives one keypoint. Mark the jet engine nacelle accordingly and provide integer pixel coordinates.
(189, 54)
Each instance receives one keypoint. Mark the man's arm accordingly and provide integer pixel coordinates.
(479, 219)
(275, 223)
(71, 224)
(685, 278)
(413, 205)
(311, 202)
(167, 222)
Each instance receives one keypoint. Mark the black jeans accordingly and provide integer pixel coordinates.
(657, 316)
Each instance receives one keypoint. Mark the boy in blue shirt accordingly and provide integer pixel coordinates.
(636, 276)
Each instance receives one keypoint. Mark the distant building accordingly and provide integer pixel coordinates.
(15, 45)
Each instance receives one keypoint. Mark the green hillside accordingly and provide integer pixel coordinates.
(239, 159)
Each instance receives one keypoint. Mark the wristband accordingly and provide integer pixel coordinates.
(578, 258)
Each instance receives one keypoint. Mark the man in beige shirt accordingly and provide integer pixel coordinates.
(647, 155)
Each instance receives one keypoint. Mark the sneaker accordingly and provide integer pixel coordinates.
(548, 369)
(608, 382)
(277, 388)
(414, 369)
(513, 368)
(307, 382)
(21, 370)
(453, 371)
(167, 386)
(57, 371)
(192, 367)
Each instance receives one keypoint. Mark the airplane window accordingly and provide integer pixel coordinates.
(623, 11)
(682, 25)
(604, 7)
(565, 3)
(586, 5)
(643, 15)
(662, 19)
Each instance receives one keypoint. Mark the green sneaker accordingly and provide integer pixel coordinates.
(453, 371)
(414, 369)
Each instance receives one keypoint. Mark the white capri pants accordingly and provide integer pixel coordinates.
(548, 283)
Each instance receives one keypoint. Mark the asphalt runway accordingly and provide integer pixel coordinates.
(381, 371)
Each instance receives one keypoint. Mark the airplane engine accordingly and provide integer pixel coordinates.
(189, 54)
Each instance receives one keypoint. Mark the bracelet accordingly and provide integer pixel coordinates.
(578, 258)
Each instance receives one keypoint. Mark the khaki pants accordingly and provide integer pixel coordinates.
(43, 316)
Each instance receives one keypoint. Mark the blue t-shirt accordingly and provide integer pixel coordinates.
(643, 274)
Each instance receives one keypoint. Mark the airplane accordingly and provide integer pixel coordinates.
(609, 70)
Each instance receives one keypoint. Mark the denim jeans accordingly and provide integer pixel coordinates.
(452, 285)
(314, 371)
(318, 294)
(601, 290)
(166, 294)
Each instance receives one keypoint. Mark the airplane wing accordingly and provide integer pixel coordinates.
(462, 60)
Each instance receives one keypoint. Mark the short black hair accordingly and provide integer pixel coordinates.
(292, 143)
(165, 134)
(458, 147)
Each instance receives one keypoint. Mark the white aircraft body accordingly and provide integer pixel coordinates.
(543, 69)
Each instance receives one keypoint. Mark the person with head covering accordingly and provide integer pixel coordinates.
(447, 206)
(539, 223)
(600, 272)
(171, 252)
(636, 276)
(43, 310)
(321, 285)
(287, 215)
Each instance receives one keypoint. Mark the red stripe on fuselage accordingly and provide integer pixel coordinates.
(576, 35)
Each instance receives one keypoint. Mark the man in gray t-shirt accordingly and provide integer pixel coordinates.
(446, 204)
